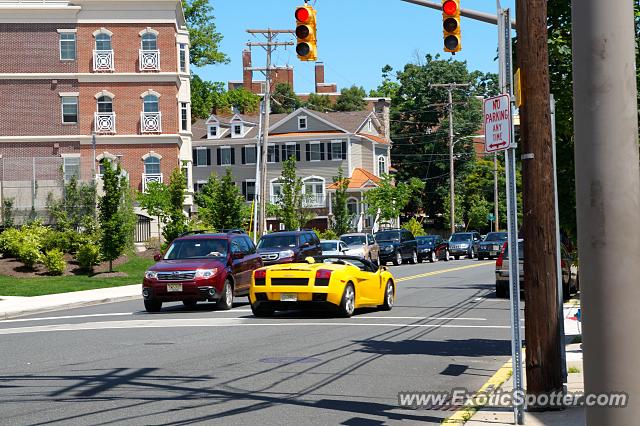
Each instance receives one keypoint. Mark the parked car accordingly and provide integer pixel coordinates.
(343, 283)
(333, 247)
(397, 246)
(362, 245)
(432, 248)
(464, 244)
(288, 246)
(570, 273)
(202, 267)
(491, 245)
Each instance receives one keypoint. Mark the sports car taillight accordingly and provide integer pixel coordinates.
(260, 277)
(322, 277)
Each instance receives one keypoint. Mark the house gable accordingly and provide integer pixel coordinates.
(314, 123)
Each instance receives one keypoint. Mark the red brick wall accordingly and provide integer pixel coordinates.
(126, 42)
(131, 159)
(28, 48)
(33, 107)
(127, 105)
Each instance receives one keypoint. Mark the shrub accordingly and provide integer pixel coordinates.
(152, 243)
(329, 234)
(88, 256)
(10, 242)
(29, 252)
(53, 260)
(414, 227)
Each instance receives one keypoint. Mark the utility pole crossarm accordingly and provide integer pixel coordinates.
(282, 43)
(271, 31)
(467, 13)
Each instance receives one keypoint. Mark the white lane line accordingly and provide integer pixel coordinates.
(221, 322)
(425, 318)
(109, 315)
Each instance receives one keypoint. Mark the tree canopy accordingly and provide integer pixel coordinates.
(205, 39)
(351, 99)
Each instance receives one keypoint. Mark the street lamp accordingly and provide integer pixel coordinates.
(452, 206)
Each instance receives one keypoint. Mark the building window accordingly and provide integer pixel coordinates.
(184, 116)
(105, 104)
(226, 156)
(337, 150)
(237, 129)
(272, 154)
(185, 173)
(149, 41)
(315, 152)
(276, 191)
(352, 206)
(201, 157)
(103, 41)
(70, 109)
(249, 190)
(288, 150)
(68, 46)
(183, 58)
(152, 166)
(382, 165)
(314, 191)
(151, 104)
(71, 168)
(249, 154)
(302, 123)
(197, 187)
(213, 132)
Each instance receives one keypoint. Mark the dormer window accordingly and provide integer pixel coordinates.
(213, 131)
(236, 130)
(302, 123)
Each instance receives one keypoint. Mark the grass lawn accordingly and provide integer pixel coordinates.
(38, 286)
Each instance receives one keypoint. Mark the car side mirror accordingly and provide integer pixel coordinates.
(157, 257)
(307, 244)
(384, 268)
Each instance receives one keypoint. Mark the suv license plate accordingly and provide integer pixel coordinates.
(174, 287)
(288, 297)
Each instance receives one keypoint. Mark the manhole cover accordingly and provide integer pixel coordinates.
(290, 360)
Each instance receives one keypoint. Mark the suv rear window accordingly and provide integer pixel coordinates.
(277, 241)
(388, 236)
(197, 248)
(461, 237)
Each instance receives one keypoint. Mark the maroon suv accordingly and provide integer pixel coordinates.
(202, 267)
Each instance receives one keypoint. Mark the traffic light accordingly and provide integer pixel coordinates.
(451, 25)
(306, 47)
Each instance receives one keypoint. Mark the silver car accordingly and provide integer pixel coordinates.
(333, 247)
(362, 245)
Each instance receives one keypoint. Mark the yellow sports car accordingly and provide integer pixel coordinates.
(342, 282)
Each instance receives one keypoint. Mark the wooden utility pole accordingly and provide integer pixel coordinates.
(543, 358)
(269, 46)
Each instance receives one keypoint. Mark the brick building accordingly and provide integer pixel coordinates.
(118, 69)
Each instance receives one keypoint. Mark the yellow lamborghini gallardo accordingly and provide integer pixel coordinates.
(341, 282)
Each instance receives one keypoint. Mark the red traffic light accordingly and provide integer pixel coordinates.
(449, 7)
(302, 14)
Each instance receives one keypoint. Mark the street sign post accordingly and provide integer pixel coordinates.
(497, 123)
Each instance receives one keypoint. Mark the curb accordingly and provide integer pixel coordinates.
(465, 414)
(23, 312)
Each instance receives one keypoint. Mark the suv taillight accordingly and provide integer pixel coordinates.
(501, 257)
(322, 277)
(260, 277)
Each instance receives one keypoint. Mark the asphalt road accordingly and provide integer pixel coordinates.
(116, 364)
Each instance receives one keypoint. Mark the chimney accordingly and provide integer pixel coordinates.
(247, 76)
(381, 108)
(319, 75)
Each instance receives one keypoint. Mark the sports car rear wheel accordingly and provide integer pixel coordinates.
(348, 303)
(388, 298)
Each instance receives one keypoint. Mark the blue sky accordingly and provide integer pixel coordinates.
(356, 38)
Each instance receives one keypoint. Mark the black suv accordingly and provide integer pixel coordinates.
(288, 246)
(200, 267)
(397, 246)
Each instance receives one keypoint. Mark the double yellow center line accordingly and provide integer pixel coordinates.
(443, 271)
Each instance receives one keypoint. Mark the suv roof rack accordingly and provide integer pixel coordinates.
(233, 231)
(195, 232)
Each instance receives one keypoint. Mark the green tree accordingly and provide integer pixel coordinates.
(116, 216)
(207, 96)
(459, 206)
(284, 99)
(205, 40)
(290, 202)
(415, 227)
(321, 103)
(341, 217)
(390, 198)
(351, 99)
(243, 100)
(155, 200)
(77, 207)
(176, 221)
(388, 88)
(7, 213)
(221, 205)
(477, 211)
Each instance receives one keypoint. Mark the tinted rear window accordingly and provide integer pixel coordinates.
(461, 237)
(388, 236)
(277, 241)
(496, 236)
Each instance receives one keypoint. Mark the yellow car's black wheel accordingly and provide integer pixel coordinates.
(348, 303)
(389, 297)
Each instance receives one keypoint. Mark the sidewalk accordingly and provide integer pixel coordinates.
(11, 307)
(500, 416)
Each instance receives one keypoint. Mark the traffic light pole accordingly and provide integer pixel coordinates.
(269, 46)
(608, 201)
(467, 13)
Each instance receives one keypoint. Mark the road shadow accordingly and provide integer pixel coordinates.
(448, 348)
